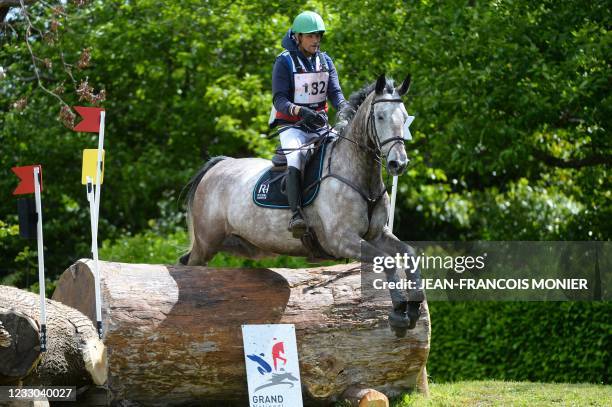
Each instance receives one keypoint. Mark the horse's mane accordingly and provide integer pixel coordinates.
(358, 97)
(356, 100)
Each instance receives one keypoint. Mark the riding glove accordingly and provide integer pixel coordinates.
(307, 114)
(345, 113)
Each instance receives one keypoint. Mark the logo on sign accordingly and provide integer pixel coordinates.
(277, 375)
(272, 365)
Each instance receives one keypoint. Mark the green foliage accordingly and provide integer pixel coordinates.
(157, 247)
(7, 231)
(147, 247)
(225, 260)
(511, 102)
(504, 92)
(534, 341)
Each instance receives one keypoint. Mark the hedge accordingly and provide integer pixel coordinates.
(534, 341)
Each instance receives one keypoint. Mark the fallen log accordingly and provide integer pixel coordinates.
(173, 333)
(74, 357)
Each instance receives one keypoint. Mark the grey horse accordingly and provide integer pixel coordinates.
(348, 216)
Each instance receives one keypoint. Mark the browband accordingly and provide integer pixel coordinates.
(396, 100)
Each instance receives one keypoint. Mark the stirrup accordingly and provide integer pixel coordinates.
(297, 226)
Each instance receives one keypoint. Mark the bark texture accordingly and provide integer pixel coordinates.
(173, 333)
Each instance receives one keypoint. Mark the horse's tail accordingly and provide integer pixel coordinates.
(193, 186)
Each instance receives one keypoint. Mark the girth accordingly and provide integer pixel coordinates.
(371, 202)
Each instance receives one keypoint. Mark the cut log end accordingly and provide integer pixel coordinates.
(75, 355)
(422, 382)
(358, 397)
(20, 352)
(94, 356)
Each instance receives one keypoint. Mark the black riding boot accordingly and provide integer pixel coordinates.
(297, 225)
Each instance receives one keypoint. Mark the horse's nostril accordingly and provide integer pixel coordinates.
(393, 165)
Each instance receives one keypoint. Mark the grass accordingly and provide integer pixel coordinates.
(498, 393)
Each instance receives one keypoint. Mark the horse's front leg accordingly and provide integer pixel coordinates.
(391, 245)
(352, 246)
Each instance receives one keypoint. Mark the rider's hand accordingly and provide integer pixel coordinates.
(345, 112)
(307, 114)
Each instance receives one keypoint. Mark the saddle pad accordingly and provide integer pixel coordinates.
(267, 191)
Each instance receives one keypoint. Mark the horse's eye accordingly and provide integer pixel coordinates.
(379, 117)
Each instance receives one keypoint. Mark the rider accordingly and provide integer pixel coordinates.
(303, 79)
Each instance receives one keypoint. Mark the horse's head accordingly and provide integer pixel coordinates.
(387, 117)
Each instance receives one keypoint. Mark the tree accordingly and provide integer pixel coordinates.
(511, 102)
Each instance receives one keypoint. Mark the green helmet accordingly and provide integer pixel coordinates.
(308, 22)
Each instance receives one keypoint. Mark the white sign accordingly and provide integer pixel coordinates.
(273, 371)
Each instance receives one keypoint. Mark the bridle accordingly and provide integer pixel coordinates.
(373, 134)
(371, 201)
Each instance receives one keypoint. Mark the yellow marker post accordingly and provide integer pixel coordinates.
(91, 172)
(90, 163)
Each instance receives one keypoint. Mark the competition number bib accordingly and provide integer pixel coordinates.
(310, 87)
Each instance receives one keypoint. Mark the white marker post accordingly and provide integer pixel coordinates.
(99, 166)
(407, 136)
(93, 122)
(393, 195)
(95, 219)
(41, 263)
(94, 252)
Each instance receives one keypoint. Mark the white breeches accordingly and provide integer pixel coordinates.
(295, 138)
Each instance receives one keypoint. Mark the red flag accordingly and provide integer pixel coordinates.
(26, 175)
(91, 119)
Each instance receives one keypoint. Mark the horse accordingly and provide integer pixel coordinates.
(349, 214)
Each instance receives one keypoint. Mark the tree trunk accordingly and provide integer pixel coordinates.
(74, 357)
(174, 332)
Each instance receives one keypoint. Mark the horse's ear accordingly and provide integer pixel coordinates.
(405, 86)
(381, 82)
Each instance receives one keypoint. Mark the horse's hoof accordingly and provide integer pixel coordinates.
(184, 259)
(399, 323)
(399, 332)
(414, 313)
(399, 320)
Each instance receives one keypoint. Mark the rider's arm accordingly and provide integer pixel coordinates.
(281, 87)
(334, 92)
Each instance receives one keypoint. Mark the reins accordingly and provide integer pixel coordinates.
(325, 131)
(376, 152)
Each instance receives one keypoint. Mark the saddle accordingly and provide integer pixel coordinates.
(270, 189)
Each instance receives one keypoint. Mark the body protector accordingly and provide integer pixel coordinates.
(309, 88)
